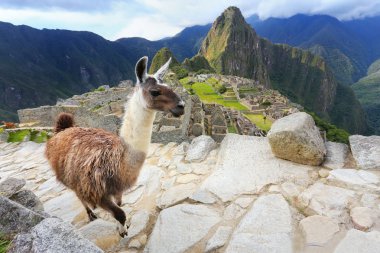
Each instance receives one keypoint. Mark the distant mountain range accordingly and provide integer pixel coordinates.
(349, 47)
(39, 66)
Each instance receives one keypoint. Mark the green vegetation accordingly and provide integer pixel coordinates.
(39, 137)
(1, 130)
(232, 129)
(367, 90)
(198, 64)
(32, 135)
(96, 107)
(266, 103)
(160, 58)
(18, 136)
(4, 245)
(100, 88)
(332, 132)
(208, 95)
(259, 121)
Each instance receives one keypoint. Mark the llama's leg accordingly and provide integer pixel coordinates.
(91, 215)
(107, 204)
(118, 198)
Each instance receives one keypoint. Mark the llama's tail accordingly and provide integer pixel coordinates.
(64, 120)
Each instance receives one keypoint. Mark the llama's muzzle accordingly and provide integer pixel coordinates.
(179, 109)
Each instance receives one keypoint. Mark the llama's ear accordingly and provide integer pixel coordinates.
(141, 69)
(162, 71)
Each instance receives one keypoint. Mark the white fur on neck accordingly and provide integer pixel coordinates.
(137, 125)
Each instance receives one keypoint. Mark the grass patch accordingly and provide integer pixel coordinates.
(18, 136)
(100, 88)
(97, 107)
(258, 120)
(4, 245)
(1, 130)
(207, 94)
(232, 129)
(39, 137)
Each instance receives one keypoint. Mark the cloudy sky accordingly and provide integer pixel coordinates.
(155, 19)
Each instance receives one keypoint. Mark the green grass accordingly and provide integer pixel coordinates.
(100, 88)
(18, 136)
(39, 137)
(208, 95)
(1, 130)
(232, 129)
(258, 120)
(36, 136)
(4, 245)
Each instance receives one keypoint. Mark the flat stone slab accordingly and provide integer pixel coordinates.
(246, 164)
(318, 230)
(336, 155)
(366, 151)
(266, 228)
(355, 179)
(327, 201)
(357, 241)
(179, 227)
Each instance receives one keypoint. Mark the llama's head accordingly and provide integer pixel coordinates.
(154, 93)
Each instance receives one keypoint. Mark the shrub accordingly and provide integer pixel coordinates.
(180, 71)
(266, 103)
(222, 89)
(333, 133)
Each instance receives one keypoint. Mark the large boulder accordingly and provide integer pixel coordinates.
(52, 235)
(199, 148)
(366, 151)
(296, 138)
(15, 218)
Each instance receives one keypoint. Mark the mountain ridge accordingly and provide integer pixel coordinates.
(232, 47)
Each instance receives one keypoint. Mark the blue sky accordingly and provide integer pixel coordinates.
(155, 19)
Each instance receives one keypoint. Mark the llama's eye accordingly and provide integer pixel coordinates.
(155, 93)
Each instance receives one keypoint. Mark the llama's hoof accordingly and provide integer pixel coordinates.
(123, 232)
(92, 216)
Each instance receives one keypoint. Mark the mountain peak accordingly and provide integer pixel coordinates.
(232, 15)
(232, 47)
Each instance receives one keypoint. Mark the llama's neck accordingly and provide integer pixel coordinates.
(137, 125)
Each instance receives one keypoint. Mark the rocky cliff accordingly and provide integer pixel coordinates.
(233, 47)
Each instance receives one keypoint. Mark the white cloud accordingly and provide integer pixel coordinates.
(154, 19)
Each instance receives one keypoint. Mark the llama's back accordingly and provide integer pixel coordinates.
(90, 161)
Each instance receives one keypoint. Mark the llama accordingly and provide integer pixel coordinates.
(98, 165)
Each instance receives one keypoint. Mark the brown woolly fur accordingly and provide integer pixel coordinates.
(96, 164)
(64, 120)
